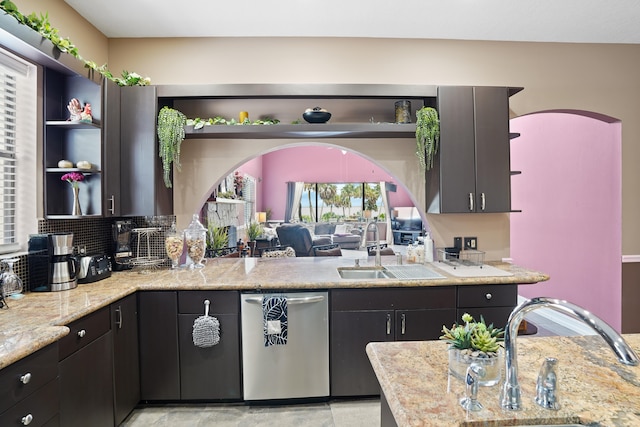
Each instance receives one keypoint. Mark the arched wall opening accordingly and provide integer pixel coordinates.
(313, 162)
(205, 162)
(570, 194)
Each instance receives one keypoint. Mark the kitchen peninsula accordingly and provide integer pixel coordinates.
(102, 348)
(37, 319)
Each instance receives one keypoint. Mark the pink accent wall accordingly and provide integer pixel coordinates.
(318, 163)
(570, 194)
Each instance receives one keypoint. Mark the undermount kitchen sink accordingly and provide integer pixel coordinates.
(363, 273)
(408, 271)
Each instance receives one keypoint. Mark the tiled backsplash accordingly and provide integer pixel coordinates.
(95, 235)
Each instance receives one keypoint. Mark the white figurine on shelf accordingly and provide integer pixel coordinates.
(75, 109)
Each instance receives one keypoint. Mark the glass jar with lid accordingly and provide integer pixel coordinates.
(174, 245)
(196, 238)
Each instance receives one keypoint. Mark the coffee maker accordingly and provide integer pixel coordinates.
(52, 266)
(122, 252)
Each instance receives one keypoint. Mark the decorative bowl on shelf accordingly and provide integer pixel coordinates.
(316, 115)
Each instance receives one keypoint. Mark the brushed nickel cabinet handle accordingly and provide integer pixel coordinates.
(471, 204)
(488, 296)
(388, 324)
(82, 333)
(119, 317)
(482, 201)
(403, 322)
(26, 420)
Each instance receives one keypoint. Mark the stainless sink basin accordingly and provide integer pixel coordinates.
(363, 273)
(408, 271)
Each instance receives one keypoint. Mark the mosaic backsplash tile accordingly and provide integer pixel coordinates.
(94, 236)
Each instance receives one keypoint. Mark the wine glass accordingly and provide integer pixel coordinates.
(11, 283)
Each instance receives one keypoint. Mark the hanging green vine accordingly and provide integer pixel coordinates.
(170, 135)
(42, 25)
(427, 136)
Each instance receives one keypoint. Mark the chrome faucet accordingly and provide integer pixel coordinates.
(376, 238)
(510, 396)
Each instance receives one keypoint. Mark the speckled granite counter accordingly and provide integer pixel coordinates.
(37, 319)
(593, 386)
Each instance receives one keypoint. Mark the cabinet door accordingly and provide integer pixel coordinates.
(111, 149)
(452, 181)
(493, 179)
(142, 188)
(422, 325)
(126, 371)
(211, 373)
(86, 385)
(159, 358)
(351, 331)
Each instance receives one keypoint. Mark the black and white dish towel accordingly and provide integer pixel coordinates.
(275, 323)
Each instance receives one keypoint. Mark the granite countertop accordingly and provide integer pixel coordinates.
(593, 387)
(38, 319)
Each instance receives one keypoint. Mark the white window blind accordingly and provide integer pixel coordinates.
(17, 134)
(249, 196)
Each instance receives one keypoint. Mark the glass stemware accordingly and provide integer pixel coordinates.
(11, 282)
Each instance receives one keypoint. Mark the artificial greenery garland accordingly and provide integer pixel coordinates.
(427, 136)
(42, 25)
(170, 135)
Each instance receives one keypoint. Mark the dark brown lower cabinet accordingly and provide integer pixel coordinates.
(159, 356)
(86, 385)
(210, 373)
(126, 367)
(361, 316)
(493, 302)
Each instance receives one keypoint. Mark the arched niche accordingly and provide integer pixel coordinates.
(570, 194)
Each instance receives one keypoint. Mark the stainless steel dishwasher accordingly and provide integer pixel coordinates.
(300, 367)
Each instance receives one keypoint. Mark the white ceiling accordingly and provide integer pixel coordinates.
(580, 21)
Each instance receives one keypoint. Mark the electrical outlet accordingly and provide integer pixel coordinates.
(471, 243)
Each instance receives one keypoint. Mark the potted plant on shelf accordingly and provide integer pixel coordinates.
(427, 136)
(170, 135)
(475, 342)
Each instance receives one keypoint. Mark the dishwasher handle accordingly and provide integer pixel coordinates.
(290, 301)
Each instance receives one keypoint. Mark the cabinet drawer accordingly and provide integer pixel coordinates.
(393, 298)
(487, 296)
(222, 302)
(84, 331)
(40, 407)
(22, 378)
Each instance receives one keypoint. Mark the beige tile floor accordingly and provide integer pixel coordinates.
(347, 413)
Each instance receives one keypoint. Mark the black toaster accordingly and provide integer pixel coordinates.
(93, 268)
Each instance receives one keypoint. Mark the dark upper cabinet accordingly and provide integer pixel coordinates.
(471, 172)
(142, 189)
(111, 149)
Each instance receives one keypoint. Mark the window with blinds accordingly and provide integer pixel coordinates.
(8, 98)
(249, 196)
(17, 149)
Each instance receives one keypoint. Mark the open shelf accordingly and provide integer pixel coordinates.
(318, 130)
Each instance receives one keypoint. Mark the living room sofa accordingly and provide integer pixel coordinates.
(346, 235)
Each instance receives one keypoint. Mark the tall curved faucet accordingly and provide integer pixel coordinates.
(373, 226)
(510, 397)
